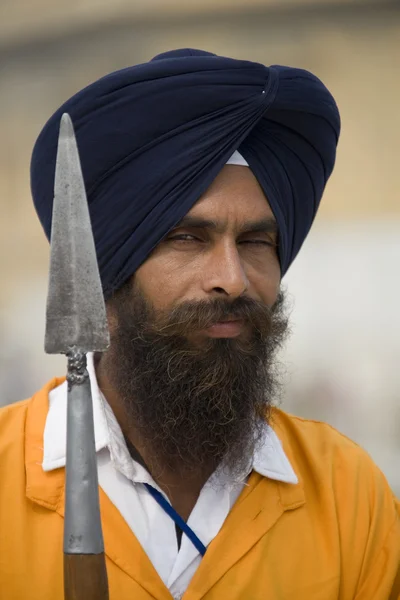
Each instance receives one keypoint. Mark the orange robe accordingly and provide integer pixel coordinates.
(333, 536)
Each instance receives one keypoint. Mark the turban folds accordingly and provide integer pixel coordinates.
(153, 137)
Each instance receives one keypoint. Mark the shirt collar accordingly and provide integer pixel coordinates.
(269, 459)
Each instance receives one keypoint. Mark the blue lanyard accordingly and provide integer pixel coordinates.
(178, 520)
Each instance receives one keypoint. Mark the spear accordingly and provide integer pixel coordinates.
(76, 324)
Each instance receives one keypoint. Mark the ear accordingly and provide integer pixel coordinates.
(112, 318)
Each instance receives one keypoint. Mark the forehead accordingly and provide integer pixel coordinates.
(235, 194)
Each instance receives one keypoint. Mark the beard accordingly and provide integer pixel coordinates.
(195, 403)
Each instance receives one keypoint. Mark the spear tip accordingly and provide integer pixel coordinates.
(76, 314)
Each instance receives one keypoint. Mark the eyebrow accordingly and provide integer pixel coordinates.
(266, 225)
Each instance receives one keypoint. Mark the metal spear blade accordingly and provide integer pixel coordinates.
(76, 314)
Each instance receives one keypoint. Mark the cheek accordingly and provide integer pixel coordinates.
(265, 279)
(159, 283)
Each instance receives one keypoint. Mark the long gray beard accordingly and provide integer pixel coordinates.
(196, 406)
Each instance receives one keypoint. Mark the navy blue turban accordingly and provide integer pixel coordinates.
(153, 137)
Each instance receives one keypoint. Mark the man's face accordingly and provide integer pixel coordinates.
(195, 332)
(225, 247)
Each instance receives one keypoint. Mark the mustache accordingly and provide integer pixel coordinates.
(193, 316)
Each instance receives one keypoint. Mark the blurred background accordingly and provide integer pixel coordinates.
(343, 362)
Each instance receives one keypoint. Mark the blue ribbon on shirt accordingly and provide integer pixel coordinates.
(166, 506)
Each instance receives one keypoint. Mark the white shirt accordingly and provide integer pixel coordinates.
(122, 479)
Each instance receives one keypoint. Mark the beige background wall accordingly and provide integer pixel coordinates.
(343, 357)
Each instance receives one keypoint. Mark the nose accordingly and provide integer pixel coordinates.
(225, 273)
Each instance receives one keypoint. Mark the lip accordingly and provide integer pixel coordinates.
(225, 329)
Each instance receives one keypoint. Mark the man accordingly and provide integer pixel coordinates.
(203, 176)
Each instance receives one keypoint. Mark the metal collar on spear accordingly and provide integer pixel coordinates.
(76, 323)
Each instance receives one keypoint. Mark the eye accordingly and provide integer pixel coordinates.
(261, 243)
(183, 237)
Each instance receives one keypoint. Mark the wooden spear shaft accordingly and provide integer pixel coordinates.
(85, 575)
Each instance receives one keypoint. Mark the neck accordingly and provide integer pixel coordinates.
(182, 489)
